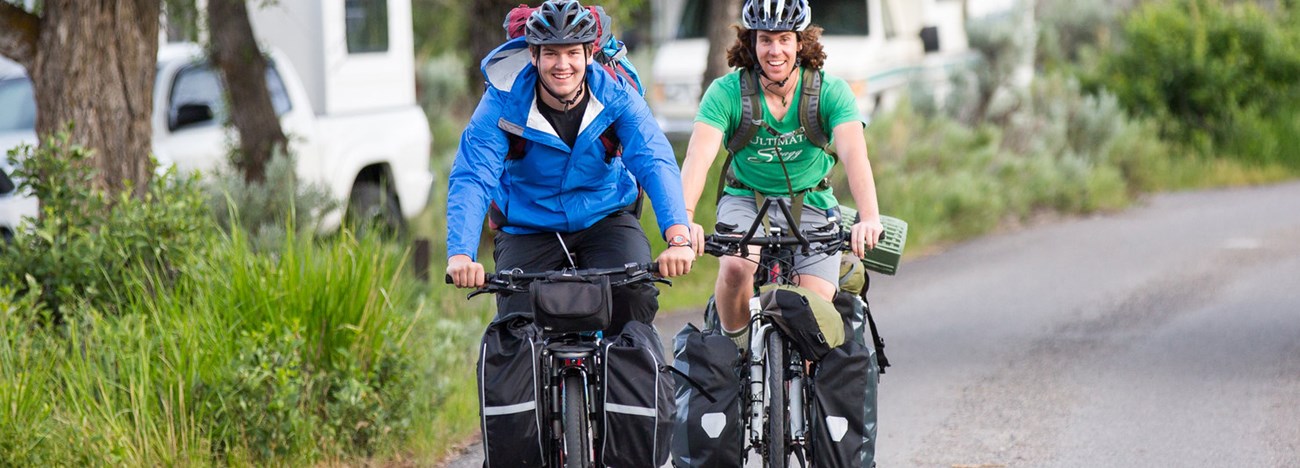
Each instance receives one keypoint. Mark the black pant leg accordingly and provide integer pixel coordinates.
(530, 253)
(612, 242)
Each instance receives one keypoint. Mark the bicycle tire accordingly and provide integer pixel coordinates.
(774, 373)
(577, 444)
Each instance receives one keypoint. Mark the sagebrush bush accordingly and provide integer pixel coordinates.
(1070, 32)
(265, 209)
(87, 243)
(1059, 150)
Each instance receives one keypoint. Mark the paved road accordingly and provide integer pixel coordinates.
(1164, 336)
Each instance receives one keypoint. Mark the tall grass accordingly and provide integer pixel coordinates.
(292, 357)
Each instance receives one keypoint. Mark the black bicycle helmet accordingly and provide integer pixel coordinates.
(559, 22)
(775, 15)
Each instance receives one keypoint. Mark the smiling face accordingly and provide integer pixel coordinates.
(776, 51)
(562, 67)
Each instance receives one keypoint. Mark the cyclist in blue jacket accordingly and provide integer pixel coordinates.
(538, 159)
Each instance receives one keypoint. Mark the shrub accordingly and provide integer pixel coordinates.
(1226, 80)
(87, 243)
(1070, 32)
(265, 209)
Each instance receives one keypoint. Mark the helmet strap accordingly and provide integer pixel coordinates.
(567, 103)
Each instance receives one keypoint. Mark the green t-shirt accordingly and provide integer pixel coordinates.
(756, 164)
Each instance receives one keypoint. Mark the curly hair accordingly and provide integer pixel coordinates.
(741, 54)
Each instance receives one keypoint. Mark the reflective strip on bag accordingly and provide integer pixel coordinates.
(509, 409)
(632, 410)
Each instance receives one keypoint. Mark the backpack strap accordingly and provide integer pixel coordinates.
(810, 112)
(613, 147)
(751, 120)
(514, 137)
(751, 112)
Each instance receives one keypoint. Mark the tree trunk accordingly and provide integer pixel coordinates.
(722, 14)
(243, 69)
(485, 34)
(92, 65)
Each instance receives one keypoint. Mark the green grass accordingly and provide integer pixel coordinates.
(323, 351)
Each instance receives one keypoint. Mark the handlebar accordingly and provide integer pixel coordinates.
(733, 243)
(517, 281)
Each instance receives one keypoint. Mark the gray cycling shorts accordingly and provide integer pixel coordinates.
(741, 211)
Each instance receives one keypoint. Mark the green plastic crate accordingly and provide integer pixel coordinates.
(889, 251)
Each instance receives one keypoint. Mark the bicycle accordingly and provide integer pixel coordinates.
(572, 365)
(778, 396)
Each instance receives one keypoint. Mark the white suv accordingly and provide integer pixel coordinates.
(376, 159)
(16, 124)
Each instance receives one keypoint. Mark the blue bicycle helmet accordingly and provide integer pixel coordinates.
(559, 22)
(775, 15)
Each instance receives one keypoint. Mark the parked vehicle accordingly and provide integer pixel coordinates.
(17, 119)
(351, 117)
(877, 46)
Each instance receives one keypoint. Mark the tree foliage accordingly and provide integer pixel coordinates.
(1217, 74)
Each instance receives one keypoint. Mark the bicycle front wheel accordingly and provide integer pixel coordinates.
(577, 444)
(776, 402)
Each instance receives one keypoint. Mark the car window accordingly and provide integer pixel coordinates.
(366, 24)
(843, 18)
(18, 103)
(199, 84)
(836, 17)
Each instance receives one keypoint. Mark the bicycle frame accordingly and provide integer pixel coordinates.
(571, 358)
(572, 354)
(759, 398)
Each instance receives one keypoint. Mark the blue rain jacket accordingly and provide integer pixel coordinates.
(554, 188)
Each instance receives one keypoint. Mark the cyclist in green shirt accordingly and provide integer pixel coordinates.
(776, 44)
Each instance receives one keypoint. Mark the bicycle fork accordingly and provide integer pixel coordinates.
(759, 399)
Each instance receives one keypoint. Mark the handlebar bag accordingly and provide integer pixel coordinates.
(811, 323)
(566, 304)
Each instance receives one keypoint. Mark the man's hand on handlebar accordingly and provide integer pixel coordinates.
(465, 272)
(675, 261)
(864, 236)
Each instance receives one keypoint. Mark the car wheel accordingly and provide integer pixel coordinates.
(373, 207)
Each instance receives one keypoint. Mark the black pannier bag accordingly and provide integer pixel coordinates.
(844, 407)
(707, 433)
(638, 402)
(564, 304)
(508, 392)
(856, 313)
